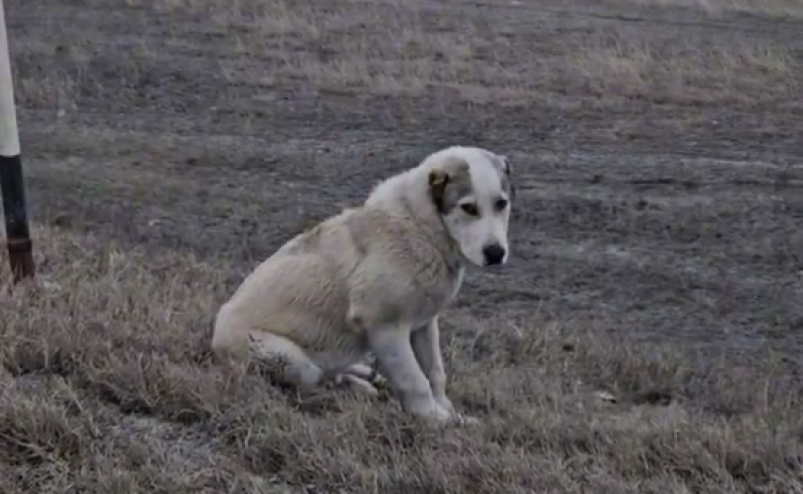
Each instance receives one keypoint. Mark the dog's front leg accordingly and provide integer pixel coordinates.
(397, 362)
(427, 347)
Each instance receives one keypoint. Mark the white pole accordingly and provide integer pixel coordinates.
(12, 186)
(9, 135)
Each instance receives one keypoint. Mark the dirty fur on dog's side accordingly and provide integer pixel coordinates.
(374, 279)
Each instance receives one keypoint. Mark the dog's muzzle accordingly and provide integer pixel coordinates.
(493, 254)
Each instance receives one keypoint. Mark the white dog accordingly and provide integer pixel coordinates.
(375, 278)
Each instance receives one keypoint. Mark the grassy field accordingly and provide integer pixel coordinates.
(646, 336)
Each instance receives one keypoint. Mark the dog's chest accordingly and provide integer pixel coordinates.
(436, 292)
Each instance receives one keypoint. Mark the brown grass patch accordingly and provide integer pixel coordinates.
(777, 9)
(419, 48)
(110, 371)
(364, 51)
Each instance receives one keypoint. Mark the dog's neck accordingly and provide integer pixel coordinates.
(408, 193)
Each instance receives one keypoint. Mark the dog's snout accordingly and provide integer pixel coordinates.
(494, 254)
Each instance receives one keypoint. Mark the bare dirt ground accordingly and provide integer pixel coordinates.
(645, 338)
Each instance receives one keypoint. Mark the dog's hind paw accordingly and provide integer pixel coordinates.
(367, 373)
(356, 383)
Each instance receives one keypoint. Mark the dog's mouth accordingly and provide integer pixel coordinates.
(484, 265)
(495, 265)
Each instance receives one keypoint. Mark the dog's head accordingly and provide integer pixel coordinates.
(472, 191)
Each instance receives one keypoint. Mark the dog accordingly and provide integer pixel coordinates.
(374, 279)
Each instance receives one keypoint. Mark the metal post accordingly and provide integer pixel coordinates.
(12, 187)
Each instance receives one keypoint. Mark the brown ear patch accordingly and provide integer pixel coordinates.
(438, 179)
(507, 182)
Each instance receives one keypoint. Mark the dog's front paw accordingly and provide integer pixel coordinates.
(430, 411)
(457, 418)
(446, 417)
(445, 403)
(439, 414)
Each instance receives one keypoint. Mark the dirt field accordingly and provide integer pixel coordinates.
(645, 338)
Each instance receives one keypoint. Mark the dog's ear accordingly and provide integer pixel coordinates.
(509, 175)
(438, 179)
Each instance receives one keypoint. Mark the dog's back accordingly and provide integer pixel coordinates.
(305, 289)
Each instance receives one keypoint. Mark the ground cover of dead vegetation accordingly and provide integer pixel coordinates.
(645, 338)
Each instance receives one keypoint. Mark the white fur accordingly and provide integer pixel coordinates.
(471, 234)
(372, 279)
(474, 234)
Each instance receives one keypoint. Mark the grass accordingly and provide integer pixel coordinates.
(352, 46)
(107, 384)
(773, 9)
(413, 55)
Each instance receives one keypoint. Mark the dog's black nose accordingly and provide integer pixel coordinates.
(493, 254)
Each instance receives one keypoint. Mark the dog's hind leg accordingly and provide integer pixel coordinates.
(295, 366)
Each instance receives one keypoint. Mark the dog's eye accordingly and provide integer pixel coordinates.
(470, 209)
(501, 204)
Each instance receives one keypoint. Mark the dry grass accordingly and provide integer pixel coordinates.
(414, 48)
(774, 9)
(365, 52)
(106, 383)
